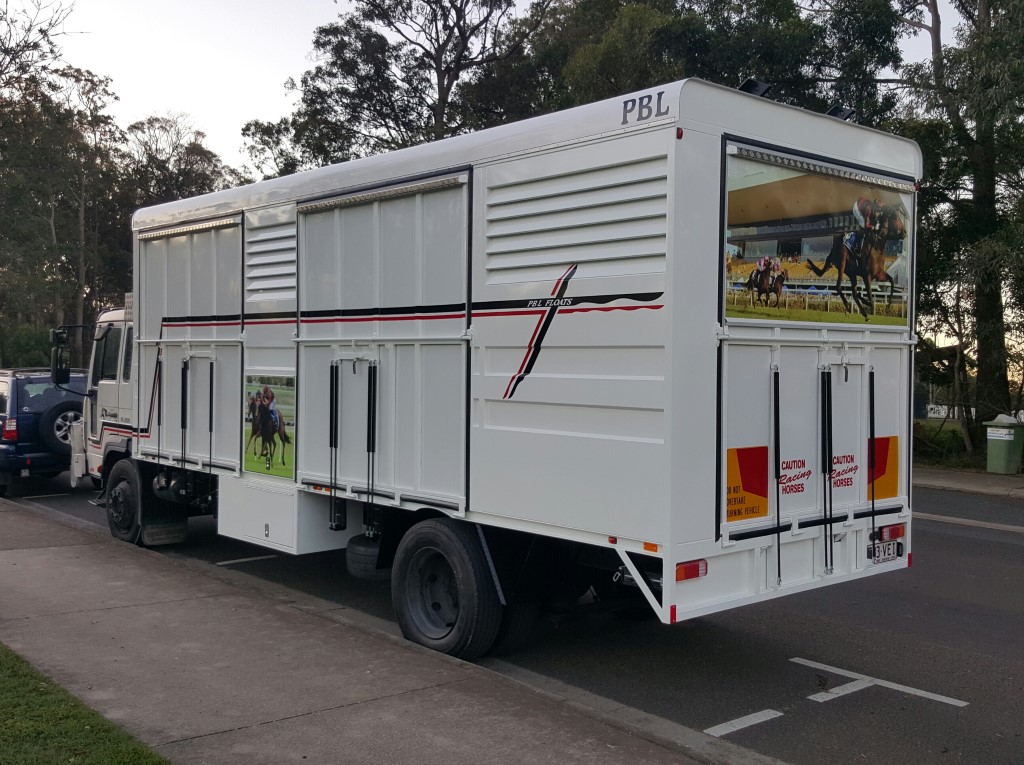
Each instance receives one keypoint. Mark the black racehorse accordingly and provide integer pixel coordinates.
(778, 282)
(868, 263)
(760, 281)
(263, 426)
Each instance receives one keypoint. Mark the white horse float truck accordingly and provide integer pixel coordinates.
(525, 361)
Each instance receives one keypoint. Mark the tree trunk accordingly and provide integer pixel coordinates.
(80, 292)
(993, 384)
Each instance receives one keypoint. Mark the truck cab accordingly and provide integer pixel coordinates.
(105, 433)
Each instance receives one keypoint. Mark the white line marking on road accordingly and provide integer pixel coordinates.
(245, 560)
(841, 690)
(45, 496)
(875, 681)
(969, 522)
(742, 722)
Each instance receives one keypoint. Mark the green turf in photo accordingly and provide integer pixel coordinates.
(272, 454)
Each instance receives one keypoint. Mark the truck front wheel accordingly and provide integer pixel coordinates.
(123, 496)
(442, 590)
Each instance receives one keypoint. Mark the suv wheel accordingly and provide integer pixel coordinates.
(55, 425)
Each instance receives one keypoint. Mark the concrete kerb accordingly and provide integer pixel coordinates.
(992, 484)
(688, 742)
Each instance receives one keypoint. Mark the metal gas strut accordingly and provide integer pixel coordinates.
(371, 433)
(334, 387)
(184, 406)
(871, 447)
(777, 431)
(827, 466)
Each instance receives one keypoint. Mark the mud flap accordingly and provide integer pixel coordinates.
(79, 467)
(164, 531)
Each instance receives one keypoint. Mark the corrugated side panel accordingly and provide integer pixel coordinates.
(613, 217)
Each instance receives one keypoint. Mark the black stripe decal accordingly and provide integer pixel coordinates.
(558, 301)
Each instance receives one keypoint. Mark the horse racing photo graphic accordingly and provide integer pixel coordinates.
(804, 246)
(268, 425)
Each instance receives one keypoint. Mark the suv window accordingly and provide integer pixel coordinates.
(3, 397)
(37, 394)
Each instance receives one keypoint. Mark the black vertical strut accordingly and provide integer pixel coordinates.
(371, 433)
(777, 435)
(159, 405)
(871, 446)
(184, 407)
(209, 464)
(334, 385)
(827, 467)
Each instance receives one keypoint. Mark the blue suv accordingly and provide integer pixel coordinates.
(35, 423)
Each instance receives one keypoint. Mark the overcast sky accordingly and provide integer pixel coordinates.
(222, 62)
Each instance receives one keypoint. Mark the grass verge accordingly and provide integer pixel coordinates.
(42, 724)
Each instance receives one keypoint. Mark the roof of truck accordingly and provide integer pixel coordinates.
(579, 124)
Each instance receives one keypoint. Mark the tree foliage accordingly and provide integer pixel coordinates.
(967, 114)
(70, 180)
(388, 74)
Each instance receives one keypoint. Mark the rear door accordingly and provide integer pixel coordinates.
(815, 382)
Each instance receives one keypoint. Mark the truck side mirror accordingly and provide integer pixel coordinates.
(60, 366)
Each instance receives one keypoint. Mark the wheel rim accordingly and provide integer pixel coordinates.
(433, 599)
(120, 507)
(62, 425)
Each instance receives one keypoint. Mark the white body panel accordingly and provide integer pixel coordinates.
(539, 306)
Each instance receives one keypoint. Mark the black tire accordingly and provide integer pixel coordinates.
(123, 497)
(55, 426)
(97, 483)
(442, 589)
(361, 559)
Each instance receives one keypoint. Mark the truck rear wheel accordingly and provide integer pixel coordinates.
(442, 590)
(123, 497)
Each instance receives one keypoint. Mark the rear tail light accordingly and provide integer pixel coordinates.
(891, 533)
(691, 569)
(11, 429)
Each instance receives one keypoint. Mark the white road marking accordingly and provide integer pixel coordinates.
(742, 722)
(841, 690)
(969, 522)
(868, 681)
(245, 560)
(45, 496)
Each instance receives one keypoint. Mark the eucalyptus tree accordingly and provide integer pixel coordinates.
(387, 75)
(968, 112)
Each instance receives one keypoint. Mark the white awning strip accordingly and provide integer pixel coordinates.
(391, 192)
(811, 166)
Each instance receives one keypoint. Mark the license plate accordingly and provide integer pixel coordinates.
(883, 552)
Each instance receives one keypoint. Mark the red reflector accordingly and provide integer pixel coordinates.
(613, 540)
(889, 533)
(910, 559)
(11, 429)
(679, 133)
(691, 570)
(672, 614)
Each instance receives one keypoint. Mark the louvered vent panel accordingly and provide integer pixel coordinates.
(270, 262)
(614, 218)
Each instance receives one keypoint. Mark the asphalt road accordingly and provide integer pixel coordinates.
(921, 666)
